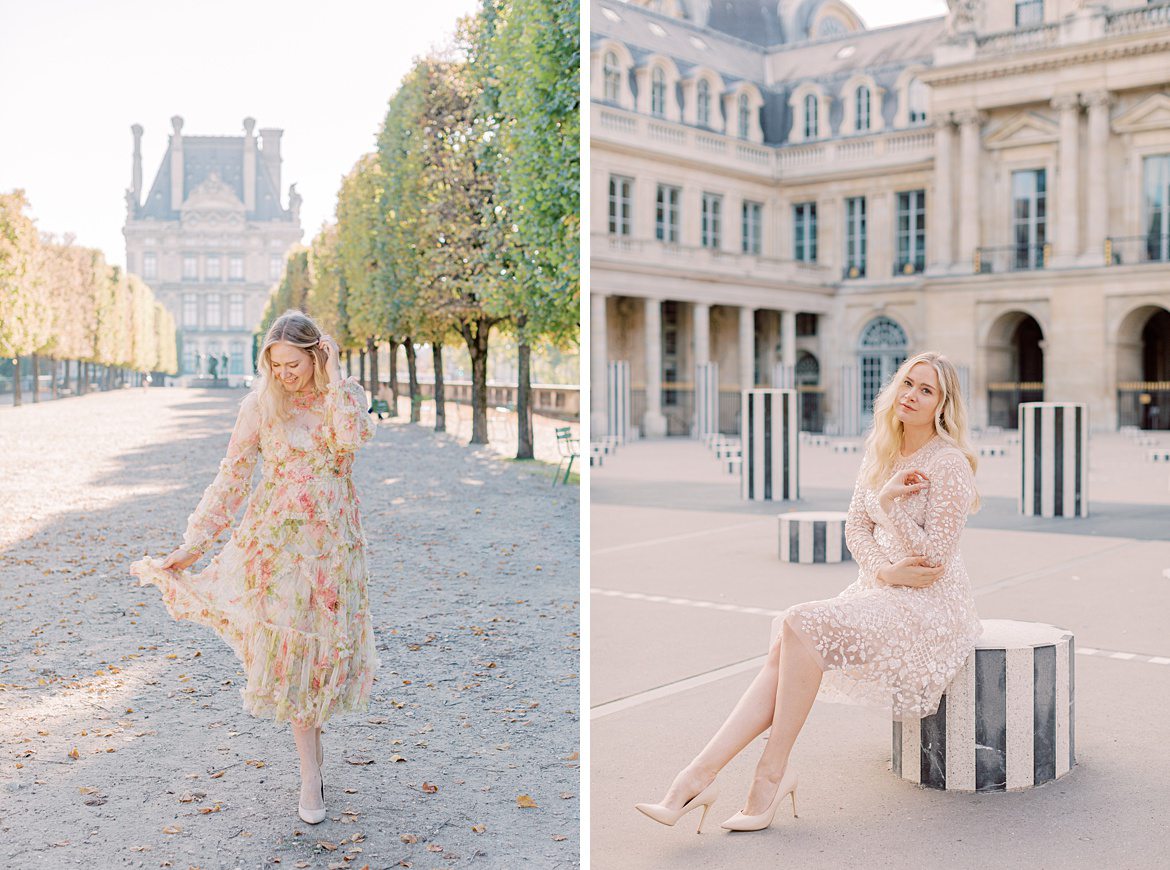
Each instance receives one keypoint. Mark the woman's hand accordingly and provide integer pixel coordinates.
(179, 560)
(913, 571)
(332, 353)
(902, 484)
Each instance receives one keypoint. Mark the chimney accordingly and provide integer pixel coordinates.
(136, 172)
(249, 165)
(270, 154)
(177, 163)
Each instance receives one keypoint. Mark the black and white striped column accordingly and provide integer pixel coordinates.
(770, 441)
(1054, 467)
(848, 401)
(813, 536)
(1007, 719)
(783, 377)
(706, 399)
(617, 399)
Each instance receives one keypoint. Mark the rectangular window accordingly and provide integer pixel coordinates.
(190, 267)
(806, 324)
(236, 267)
(911, 232)
(855, 237)
(236, 311)
(213, 267)
(753, 219)
(1029, 218)
(666, 215)
(804, 231)
(711, 229)
(189, 360)
(190, 310)
(212, 310)
(1157, 184)
(237, 358)
(621, 205)
(1029, 13)
(670, 348)
(275, 267)
(150, 265)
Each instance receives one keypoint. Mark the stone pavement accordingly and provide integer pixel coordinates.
(122, 738)
(686, 580)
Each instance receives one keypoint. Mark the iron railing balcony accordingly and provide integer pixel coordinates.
(911, 266)
(1012, 258)
(1131, 250)
(854, 270)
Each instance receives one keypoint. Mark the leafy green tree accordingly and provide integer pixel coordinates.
(24, 326)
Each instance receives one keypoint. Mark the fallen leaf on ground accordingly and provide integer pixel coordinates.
(478, 829)
(172, 829)
(525, 801)
(429, 787)
(434, 847)
(325, 844)
(559, 837)
(408, 838)
(218, 775)
(572, 757)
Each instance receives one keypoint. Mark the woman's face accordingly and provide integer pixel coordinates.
(291, 366)
(918, 396)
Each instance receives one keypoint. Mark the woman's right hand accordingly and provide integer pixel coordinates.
(913, 571)
(180, 559)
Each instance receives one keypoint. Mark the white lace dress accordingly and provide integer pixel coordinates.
(881, 645)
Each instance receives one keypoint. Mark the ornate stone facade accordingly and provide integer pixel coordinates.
(799, 199)
(211, 237)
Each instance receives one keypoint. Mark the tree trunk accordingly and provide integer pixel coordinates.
(362, 367)
(393, 378)
(524, 404)
(348, 363)
(440, 395)
(77, 389)
(372, 345)
(475, 334)
(412, 374)
(54, 367)
(16, 381)
(36, 379)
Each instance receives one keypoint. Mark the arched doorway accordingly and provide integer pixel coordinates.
(1015, 367)
(881, 350)
(808, 384)
(1143, 369)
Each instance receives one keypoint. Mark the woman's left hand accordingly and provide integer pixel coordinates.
(902, 484)
(332, 352)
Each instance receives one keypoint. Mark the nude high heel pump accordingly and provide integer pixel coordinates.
(743, 822)
(313, 816)
(667, 816)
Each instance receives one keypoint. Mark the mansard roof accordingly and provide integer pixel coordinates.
(203, 156)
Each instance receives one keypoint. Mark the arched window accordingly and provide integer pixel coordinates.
(830, 27)
(917, 96)
(881, 350)
(810, 117)
(703, 103)
(861, 108)
(745, 117)
(613, 78)
(658, 92)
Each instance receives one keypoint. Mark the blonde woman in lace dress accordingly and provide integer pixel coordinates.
(288, 590)
(895, 636)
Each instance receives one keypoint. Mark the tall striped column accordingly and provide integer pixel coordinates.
(783, 377)
(1006, 721)
(964, 373)
(1054, 467)
(617, 399)
(706, 399)
(848, 401)
(770, 441)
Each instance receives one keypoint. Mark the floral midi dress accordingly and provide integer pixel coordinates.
(288, 590)
(896, 645)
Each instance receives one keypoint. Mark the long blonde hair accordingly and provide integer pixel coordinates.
(298, 329)
(883, 445)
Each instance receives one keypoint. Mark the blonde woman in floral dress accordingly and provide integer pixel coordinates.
(288, 590)
(893, 638)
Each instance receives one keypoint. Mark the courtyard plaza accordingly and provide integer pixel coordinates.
(686, 580)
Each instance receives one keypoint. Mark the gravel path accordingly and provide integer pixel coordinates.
(122, 738)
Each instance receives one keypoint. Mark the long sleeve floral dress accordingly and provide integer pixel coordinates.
(881, 645)
(288, 590)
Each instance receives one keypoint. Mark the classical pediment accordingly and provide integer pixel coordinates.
(212, 194)
(1022, 129)
(1152, 113)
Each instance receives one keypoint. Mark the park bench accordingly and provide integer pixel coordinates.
(380, 407)
(813, 536)
(992, 450)
(568, 449)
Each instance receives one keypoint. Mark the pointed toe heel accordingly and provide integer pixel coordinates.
(741, 821)
(667, 816)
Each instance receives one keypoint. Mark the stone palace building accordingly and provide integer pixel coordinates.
(210, 238)
(804, 201)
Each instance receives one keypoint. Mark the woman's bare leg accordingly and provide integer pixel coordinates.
(800, 678)
(750, 717)
(310, 772)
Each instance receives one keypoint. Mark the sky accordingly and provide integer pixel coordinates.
(76, 74)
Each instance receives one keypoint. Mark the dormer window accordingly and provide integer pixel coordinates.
(703, 103)
(658, 92)
(810, 116)
(917, 97)
(1029, 13)
(861, 104)
(744, 114)
(613, 77)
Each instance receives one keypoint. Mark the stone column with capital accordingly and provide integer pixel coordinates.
(1068, 206)
(942, 210)
(599, 356)
(176, 162)
(788, 338)
(747, 347)
(1097, 195)
(970, 122)
(701, 313)
(653, 422)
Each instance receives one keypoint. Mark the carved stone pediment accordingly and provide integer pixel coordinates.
(1025, 128)
(212, 194)
(1152, 113)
